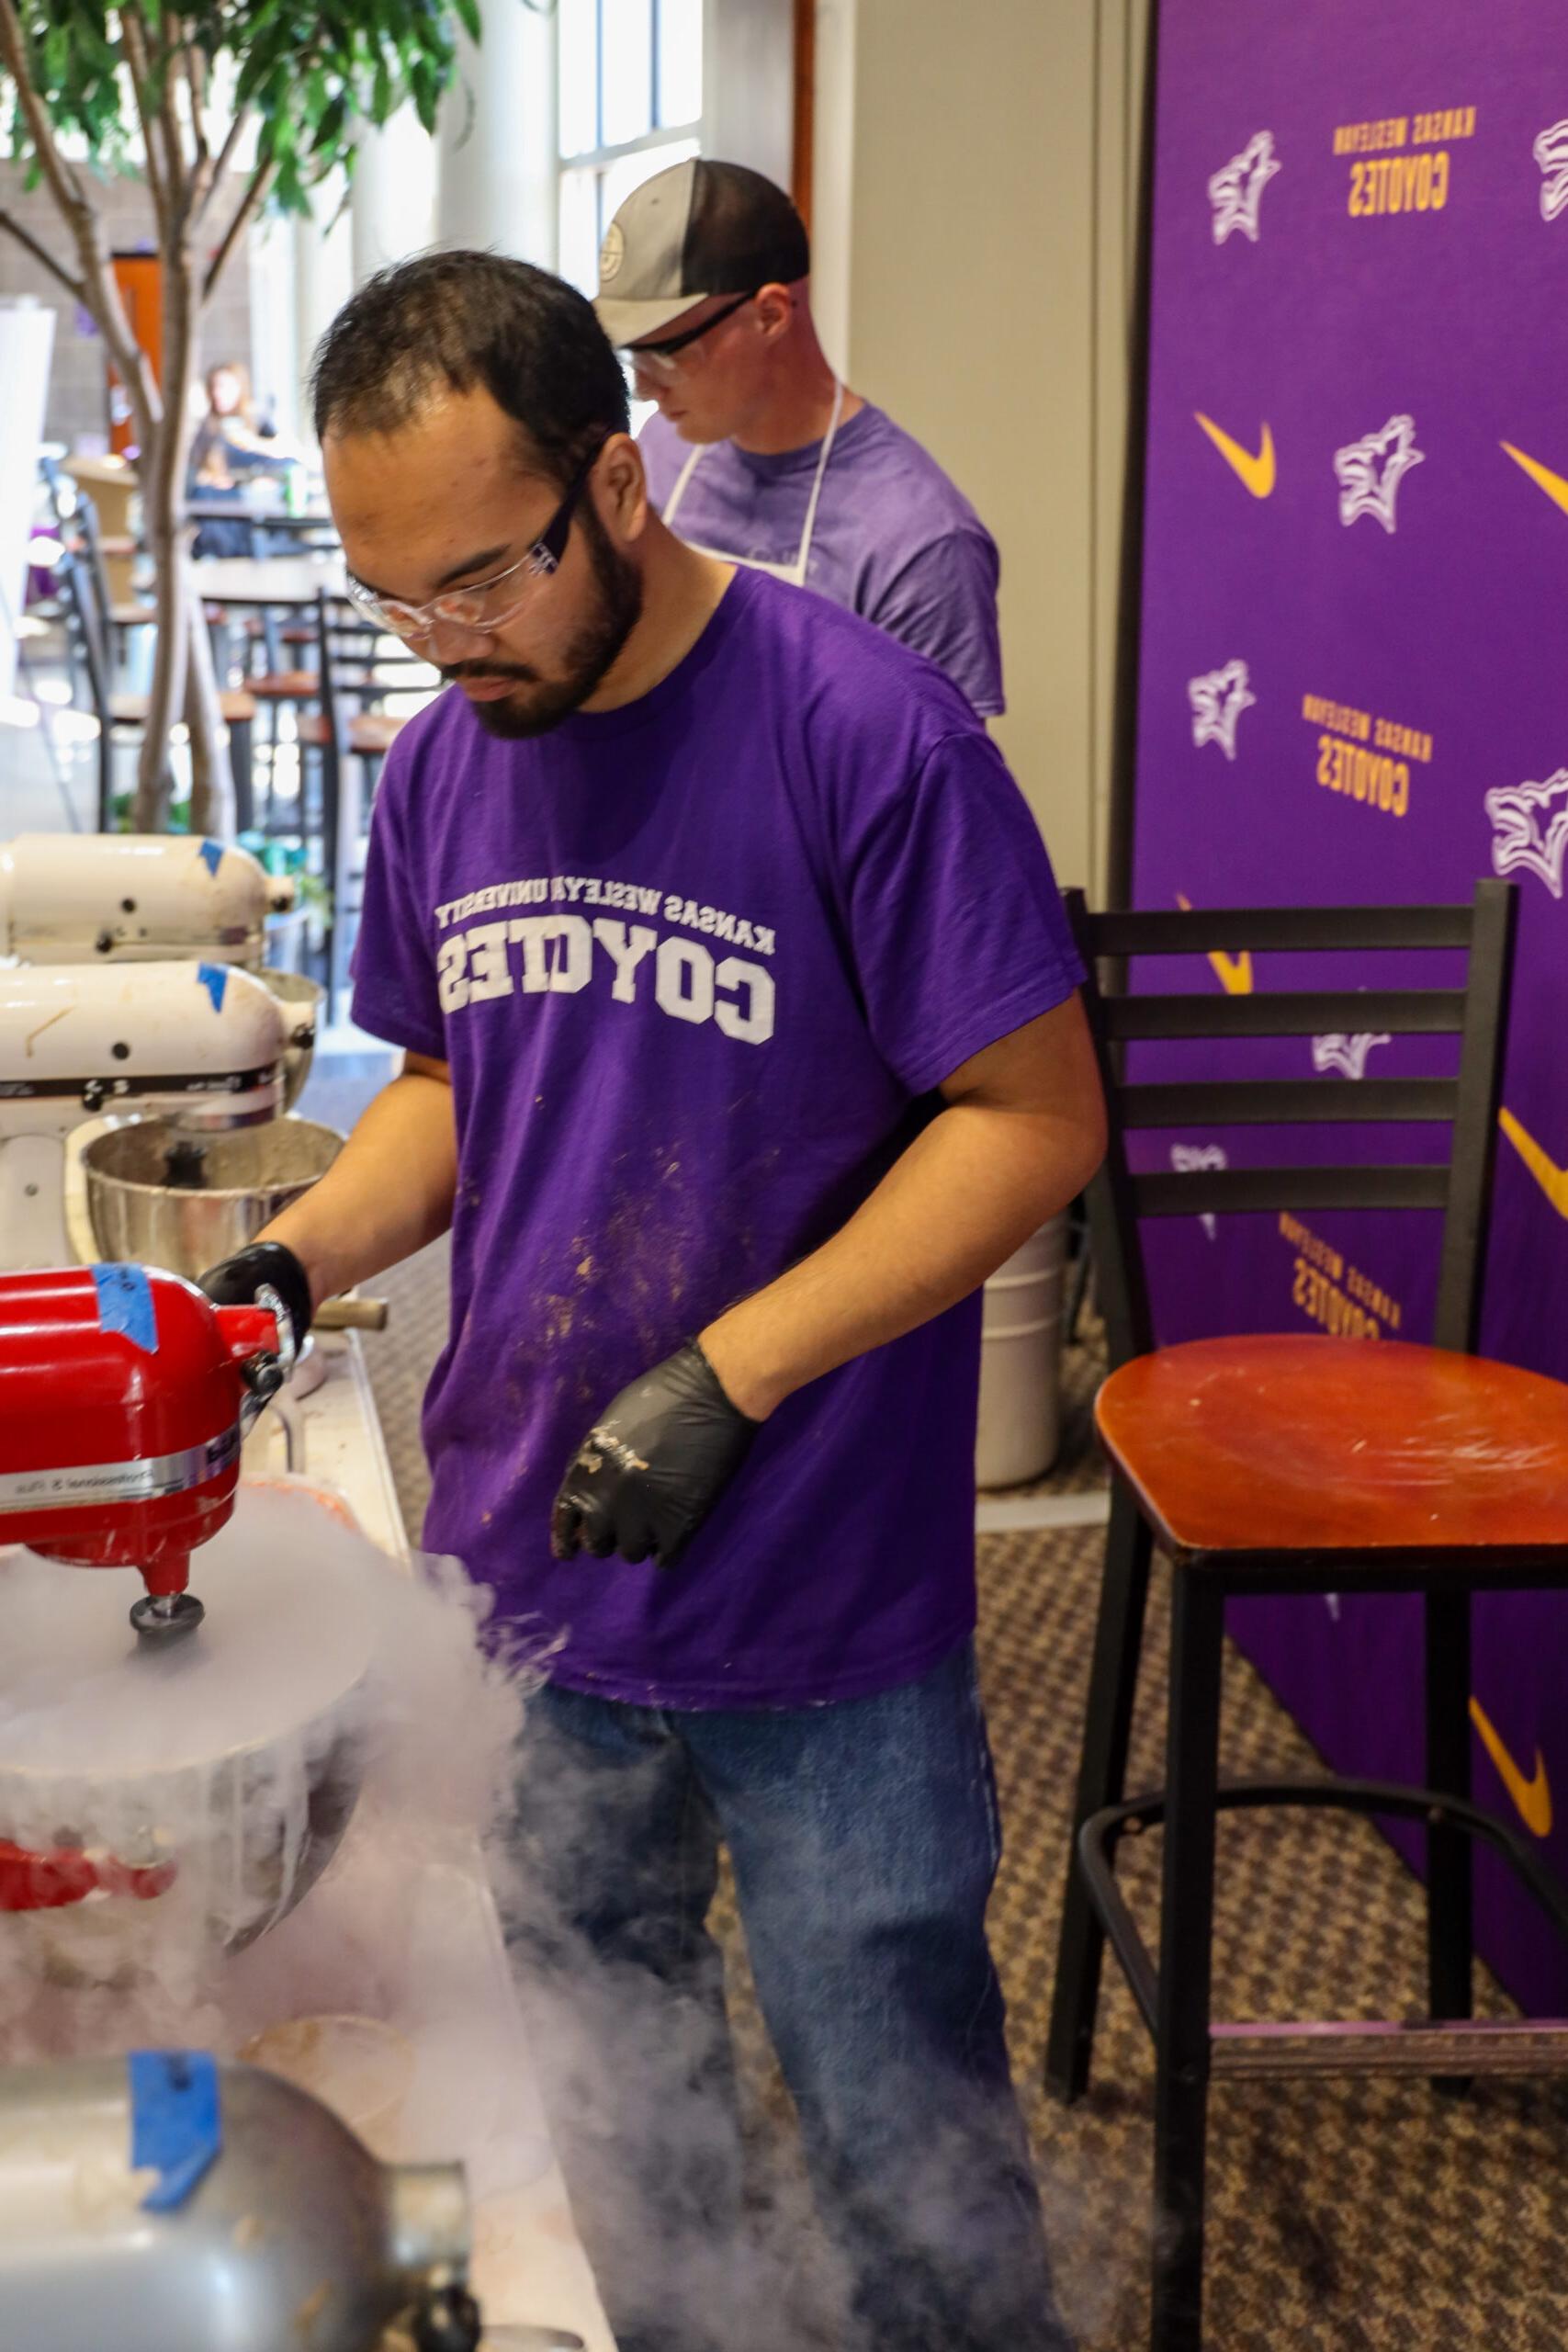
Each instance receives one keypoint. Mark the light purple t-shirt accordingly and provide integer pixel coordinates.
(697, 965)
(894, 539)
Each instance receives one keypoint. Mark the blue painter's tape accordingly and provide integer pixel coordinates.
(214, 978)
(177, 2124)
(125, 1304)
(212, 855)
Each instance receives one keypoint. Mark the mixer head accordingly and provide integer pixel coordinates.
(124, 1396)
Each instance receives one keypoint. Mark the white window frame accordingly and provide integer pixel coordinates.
(599, 160)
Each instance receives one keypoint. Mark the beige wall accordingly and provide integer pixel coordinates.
(973, 233)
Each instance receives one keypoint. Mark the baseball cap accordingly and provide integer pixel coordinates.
(696, 230)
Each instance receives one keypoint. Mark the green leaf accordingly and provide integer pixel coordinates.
(288, 188)
(425, 85)
(330, 129)
(468, 16)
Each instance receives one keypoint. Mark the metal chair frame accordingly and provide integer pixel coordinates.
(1174, 1997)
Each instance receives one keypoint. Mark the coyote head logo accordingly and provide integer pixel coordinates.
(1371, 469)
(1192, 1159)
(1218, 699)
(1347, 1055)
(1236, 191)
(1530, 829)
(1551, 151)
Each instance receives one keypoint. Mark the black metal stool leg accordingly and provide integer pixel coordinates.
(1450, 1911)
(1103, 1773)
(106, 774)
(1083, 1273)
(1182, 2079)
(332, 811)
(241, 767)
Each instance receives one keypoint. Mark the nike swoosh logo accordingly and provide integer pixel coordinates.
(1233, 972)
(1532, 1799)
(1552, 1179)
(1255, 474)
(1554, 485)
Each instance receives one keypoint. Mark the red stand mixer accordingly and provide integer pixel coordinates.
(125, 1395)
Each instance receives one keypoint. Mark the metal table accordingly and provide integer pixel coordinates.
(316, 517)
(267, 582)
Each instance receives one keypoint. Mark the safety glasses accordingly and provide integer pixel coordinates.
(490, 604)
(663, 361)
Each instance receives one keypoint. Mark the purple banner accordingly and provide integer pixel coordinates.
(1354, 687)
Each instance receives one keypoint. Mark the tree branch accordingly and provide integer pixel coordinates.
(109, 312)
(244, 213)
(196, 79)
(179, 176)
(75, 287)
(226, 156)
(67, 189)
(133, 35)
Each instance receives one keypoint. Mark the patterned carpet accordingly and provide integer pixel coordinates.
(1345, 2216)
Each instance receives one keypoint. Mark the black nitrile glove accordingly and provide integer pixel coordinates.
(652, 1466)
(264, 1265)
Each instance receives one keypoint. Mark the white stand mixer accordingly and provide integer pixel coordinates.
(199, 1043)
(134, 898)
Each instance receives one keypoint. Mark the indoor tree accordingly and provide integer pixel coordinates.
(221, 106)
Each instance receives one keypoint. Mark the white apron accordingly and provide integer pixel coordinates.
(794, 573)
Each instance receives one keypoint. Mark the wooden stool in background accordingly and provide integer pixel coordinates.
(1298, 1464)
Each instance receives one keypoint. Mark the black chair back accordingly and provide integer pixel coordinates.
(1460, 1188)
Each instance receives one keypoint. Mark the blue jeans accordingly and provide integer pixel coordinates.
(865, 1840)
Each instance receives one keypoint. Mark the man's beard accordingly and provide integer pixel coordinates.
(589, 657)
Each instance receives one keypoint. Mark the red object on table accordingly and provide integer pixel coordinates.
(63, 1875)
(120, 1396)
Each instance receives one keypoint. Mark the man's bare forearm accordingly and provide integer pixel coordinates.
(1022, 1133)
(968, 1193)
(389, 1191)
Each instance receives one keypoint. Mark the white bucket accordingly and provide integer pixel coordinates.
(1021, 1363)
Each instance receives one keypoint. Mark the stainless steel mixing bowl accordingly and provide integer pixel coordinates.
(304, 997)
(159, 1197)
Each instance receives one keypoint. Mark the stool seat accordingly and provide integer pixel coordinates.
(285, 685)
(372, 732)
(235, 707)
(1298, 1444)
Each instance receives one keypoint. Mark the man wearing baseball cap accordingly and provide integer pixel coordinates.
(759, 453)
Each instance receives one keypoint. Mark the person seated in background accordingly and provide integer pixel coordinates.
(231, 447)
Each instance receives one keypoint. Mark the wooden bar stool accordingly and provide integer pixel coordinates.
(1298, 1464)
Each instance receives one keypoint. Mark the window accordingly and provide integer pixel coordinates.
(631, 104)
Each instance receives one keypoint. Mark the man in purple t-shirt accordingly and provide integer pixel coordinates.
(758, 453)
(741, 1044)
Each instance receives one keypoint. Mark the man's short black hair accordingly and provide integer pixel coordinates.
(468, 318)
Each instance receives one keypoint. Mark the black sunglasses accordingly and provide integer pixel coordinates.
(667, 350)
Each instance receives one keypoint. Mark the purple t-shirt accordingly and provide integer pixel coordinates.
(697, 965)
(894, 539)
